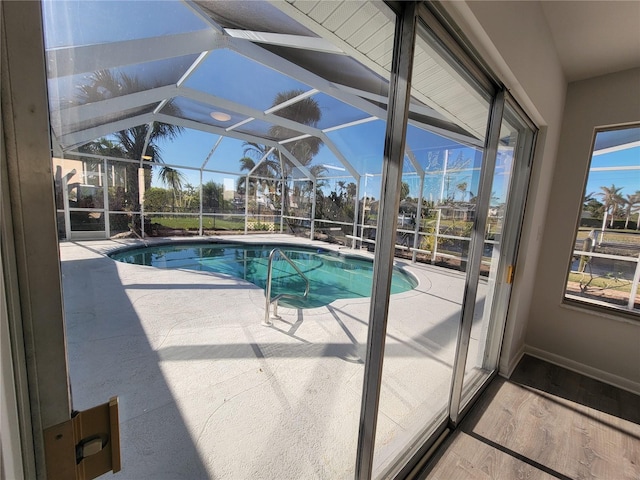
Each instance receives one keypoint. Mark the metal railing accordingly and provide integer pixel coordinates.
(267, 289)
(635, 282)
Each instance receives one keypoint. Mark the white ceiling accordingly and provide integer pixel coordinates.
(594, 37)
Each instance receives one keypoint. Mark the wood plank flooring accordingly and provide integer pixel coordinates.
(545, 422)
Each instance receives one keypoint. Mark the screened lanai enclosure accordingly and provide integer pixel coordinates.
(364, 127)
(207, 119)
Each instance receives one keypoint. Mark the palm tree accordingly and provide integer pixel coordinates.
(404, 191)
(104, 146)
(631, 203)
(174, 180)
(612, 199)
(352, 189)
(190, 197)
(267, 169)
(105, 84)
(306, 112)
(462, 186)
(212, 196)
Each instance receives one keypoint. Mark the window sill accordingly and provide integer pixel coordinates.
(601, 309)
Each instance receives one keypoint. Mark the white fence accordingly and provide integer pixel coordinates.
(636, 275)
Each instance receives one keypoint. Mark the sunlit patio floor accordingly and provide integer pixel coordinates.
(207, 391)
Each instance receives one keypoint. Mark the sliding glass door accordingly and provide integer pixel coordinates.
(497, 266)
(444, 156)
(464, 176)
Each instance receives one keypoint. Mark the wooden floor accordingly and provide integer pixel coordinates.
(544, 423)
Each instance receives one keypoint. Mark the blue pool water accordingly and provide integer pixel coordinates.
(331, 276)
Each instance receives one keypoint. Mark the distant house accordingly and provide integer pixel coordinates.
(458, 211)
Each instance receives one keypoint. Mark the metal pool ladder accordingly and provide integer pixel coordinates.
(267, 290)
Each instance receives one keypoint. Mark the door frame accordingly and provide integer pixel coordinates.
(29, 236)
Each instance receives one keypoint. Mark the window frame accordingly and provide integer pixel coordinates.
(576, 301)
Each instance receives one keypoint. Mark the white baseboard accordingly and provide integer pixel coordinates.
(586, 370)
(509, 365)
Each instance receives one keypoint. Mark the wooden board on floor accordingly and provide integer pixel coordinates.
(545, 422)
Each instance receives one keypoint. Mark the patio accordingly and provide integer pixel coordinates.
(202, 383)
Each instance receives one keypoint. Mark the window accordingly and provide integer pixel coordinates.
(605, 265)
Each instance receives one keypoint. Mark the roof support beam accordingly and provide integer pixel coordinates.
(272, 60)
(215, 147)
(264, 157)
(85, 113)
(147, 139)
(331, 146)
(315, 44)
(75, 139)
(292, 101)
(111, 106)
(434, 122)
(194, 66)
(247, 111)
(276, 62)
(233, 134)
(90, 58)
(295, 161)
(412, 158)
(383, 99)
(264, 57)
(195, 8)
(350, 124)
(275, 119)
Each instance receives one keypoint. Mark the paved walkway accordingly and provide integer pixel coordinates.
(206, 391)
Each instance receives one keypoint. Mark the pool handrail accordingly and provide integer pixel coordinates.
(267, 289)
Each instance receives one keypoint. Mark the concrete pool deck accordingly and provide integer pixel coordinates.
(207, 391)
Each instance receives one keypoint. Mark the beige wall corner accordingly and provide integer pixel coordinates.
(603, 346)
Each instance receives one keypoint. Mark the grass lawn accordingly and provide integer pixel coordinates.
(601, 283)
(193, 223)
(627, 237)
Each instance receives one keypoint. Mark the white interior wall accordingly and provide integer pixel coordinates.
(513, 38)
(603, 346)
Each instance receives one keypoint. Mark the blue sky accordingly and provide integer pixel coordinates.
(233, 77)
(135, 20)
(255, 85)
(362, 145)
(628, 180)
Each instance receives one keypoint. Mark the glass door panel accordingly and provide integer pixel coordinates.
(505, 213)
(435, 218)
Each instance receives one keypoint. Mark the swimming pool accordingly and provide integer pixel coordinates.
(332, 276)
